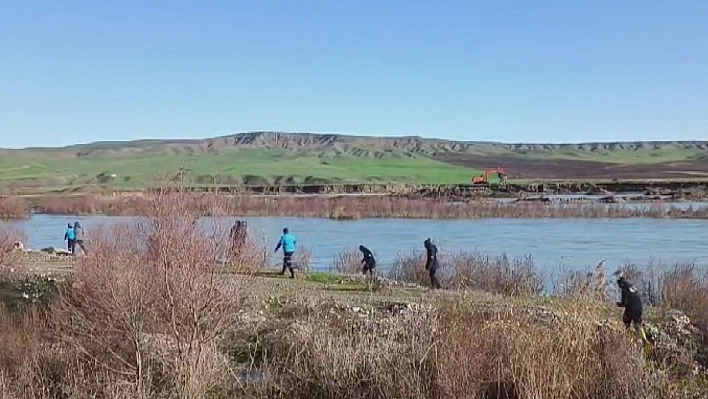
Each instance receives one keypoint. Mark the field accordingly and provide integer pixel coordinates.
(254, 167)
(282, 158)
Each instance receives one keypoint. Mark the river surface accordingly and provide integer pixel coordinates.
(554, 244)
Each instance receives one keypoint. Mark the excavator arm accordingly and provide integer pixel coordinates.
(484, 179)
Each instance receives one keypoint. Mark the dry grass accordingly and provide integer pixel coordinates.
(410, 267)
(685, 287)
(8, 237)
(418, 355)
(250, 257)
(302, 259)
(350, 208)
(499, 275)
(472, 270)
(585, 285)
(13, 208)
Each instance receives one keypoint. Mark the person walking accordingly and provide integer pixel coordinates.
(238, 235)
(369, 261)
(288, 243)
(431, 262)
(70, 238)
(79, 237)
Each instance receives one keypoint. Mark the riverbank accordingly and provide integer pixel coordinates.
(322, 334)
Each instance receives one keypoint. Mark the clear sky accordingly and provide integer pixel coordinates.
(513, 71)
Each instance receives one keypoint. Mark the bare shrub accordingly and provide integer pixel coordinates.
(592, 284)
(13, 207)
(685, 287)
(499, 275)
(410, 267)
(471, 270)
(146, 304)
(348, 261)
(302, 259)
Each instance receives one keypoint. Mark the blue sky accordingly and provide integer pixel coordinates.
(513, 71)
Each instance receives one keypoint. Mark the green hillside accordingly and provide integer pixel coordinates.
(282, 158)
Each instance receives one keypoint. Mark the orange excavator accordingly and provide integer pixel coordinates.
(484, 179)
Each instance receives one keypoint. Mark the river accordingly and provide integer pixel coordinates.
(554, 244)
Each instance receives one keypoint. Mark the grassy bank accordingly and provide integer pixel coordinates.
(149, 314)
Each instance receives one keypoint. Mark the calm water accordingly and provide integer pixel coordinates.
(552, 243)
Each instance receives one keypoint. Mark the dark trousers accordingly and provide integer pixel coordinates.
(632, 317)
(80, 243)
(434, 280)
(70, 244)
(369, 267)
(288, 263)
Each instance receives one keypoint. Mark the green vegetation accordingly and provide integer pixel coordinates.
(626, 156)
(267, 158)
(250, 167)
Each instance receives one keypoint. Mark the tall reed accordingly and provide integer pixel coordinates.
(13, 207)
(349, 207)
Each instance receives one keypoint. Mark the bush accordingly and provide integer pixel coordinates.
(146, 304)
(13, 207)
(592, 285)
(302, 259)
(471, 270)
(410, 267)
(348, 261)
(498, 275)
(685, 287)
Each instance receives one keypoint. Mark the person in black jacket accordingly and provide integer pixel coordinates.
(369, 261)
(632, 304)
(431, 262)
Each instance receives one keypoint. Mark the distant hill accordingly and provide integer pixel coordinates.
(277, 158)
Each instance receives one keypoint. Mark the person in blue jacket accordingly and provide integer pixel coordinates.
(70, 238)
(288, 243)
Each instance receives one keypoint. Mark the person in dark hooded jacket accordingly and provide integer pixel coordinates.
(369, 261)
(632, 304)
(431, 262)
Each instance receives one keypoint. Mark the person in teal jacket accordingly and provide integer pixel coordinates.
(70, 238)
(288, 243)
